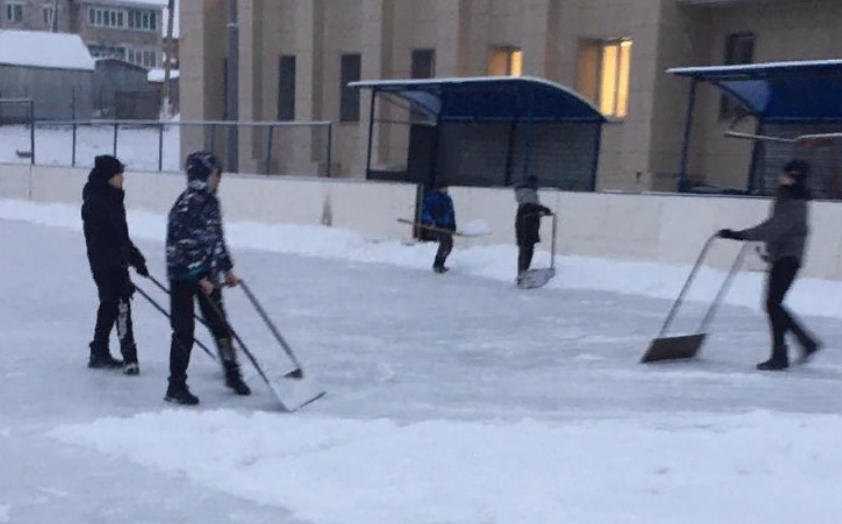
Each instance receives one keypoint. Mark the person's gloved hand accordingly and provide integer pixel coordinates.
(729, 234)
(142, 270)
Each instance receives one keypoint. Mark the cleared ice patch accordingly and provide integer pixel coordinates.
(693, 469)
(4, 513)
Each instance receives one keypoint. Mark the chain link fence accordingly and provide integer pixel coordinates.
(268, 148)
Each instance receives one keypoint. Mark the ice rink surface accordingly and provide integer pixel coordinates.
(452, 399)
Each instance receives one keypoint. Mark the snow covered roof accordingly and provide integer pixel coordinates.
(44, 49)
(157, 75)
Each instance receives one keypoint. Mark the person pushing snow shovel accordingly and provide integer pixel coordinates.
(785, 234)
(197, 260)
(527, 223)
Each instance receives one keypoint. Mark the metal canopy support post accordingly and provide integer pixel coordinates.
(597, 146)
(685, 147)
(32, 131)
(233, 87)
(370, 134)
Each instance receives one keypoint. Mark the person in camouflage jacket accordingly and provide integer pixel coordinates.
(198, 264)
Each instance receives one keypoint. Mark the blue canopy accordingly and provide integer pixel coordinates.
(807, 91)
(494, 98)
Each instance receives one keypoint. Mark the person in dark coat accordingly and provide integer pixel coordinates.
(527, 222)
(438, 212)
(785, 234)
(110, 253)
(198, 263)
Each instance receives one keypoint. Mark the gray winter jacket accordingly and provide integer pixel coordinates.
(785, 231)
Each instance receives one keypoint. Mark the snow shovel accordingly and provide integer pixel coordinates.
(440, 230)
(296, 373)
(683, 347)
(534, 278)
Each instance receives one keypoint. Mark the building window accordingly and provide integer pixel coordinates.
(739, 49)
(106, 51)
(505, 61)
(147, 58)
(423, 63)
(49, 13)
(286, 88)
(110, 18)
(349, 107)
(603, 72)
(143, 20)
(14, 12)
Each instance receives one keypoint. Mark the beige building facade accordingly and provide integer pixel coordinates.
(295, 57)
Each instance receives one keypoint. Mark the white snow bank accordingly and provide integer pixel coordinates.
(157, 75)
(808, 296)
(44, 49)
(760, 467)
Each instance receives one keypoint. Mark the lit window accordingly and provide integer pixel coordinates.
(505, 61)
(603, 75)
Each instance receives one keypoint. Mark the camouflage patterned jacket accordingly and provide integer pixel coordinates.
(195, 238)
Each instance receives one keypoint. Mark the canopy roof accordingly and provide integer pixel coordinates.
(807, 91)
(494, 98)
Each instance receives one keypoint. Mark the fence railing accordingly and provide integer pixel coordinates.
(270, 148)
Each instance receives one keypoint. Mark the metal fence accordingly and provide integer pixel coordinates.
(269, 148)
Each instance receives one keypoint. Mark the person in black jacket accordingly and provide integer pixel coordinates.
(197, 259)
(110, 253)
(785, 233)
(527, 222)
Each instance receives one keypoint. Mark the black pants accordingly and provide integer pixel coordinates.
(182, 294)
(780, 279)
(445, 247)
(524, 257)
(115, 290)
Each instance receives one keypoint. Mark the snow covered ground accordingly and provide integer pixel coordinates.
(452, 399)
(137, 147)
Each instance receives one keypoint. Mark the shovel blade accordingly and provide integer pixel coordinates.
(681, 347)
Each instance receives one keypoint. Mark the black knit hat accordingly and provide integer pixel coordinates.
(799, 170)
(105, 168)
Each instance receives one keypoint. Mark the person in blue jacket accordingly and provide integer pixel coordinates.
(438, 212)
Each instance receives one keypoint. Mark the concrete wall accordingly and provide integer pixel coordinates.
(646, 227)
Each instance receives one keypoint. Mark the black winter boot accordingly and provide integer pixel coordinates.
(234, 379)
(130, 365)
(179, 394)
(100, 358)
(778, 362)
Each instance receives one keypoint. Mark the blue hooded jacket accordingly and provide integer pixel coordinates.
(438, 211)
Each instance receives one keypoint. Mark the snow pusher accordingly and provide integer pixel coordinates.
(684, 347)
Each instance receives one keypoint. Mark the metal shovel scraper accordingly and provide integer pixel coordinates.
(684, 347)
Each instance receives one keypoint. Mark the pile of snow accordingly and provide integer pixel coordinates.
(157, 74)
(659, 469)
(475, 228)
(809, 296)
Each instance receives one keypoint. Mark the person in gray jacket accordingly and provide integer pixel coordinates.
(785, 234)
